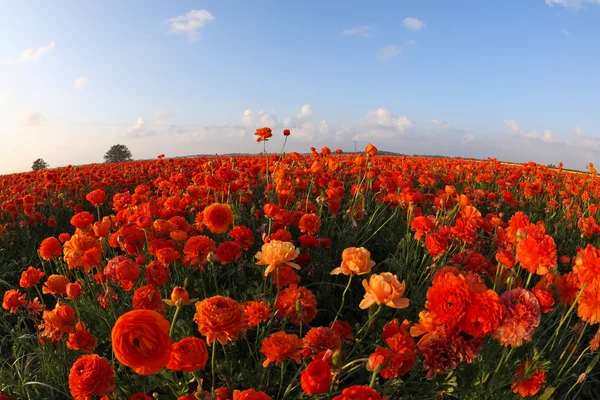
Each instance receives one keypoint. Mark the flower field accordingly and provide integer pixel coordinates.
(284, 276)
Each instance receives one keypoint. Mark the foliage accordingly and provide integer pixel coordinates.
(118, 153)
(39, 165)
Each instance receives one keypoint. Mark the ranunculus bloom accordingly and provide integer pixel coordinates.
(243, 236)
(220, 318)
(76, 248)
(281, 346)
(82, 220)
(399, 356)
(55, 284)
(73, 290)
(167, 255)
(316, 378)
(286, 276)
(96, 197)
(277, 253)
(91, 375)
(589, 303)
(81, 339)
(256, 312)
(228, 252)
(384, 289)
(263, 134)
(321, 339)
(30, 277)
(140, 396)
(536, 252)
(587, 264)
(148, 298)
(343, 329)
(522, 317)
(13, 299)
(448, 296)
(483, 314)
(196, 249)
(102, 228)
(218, 217)
(567, 286)
(157, 273)
(250, 394)
(371, 150)
(287, 304)
(140, 340)
(528, 379)
(309, 223)
(358, 392)
(188, 355)
(436, 244)
(50, 248)
(179, 293)
(356, 261)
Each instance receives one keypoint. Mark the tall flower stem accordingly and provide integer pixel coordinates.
(343, 299)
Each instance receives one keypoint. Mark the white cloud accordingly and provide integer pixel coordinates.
(82, 82)
(160, 117)
(32, 55)
(546, 136)
(388, 52)
(357, 30)
(381, 124)
(413, 24)
(258, 119)
(189, 24)
(565, 33)
(31, 118)
(136, 131)
(571, 3)
(303, 127)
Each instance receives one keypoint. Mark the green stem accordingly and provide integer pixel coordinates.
(212, 366)
(343, 299)
(174, 320)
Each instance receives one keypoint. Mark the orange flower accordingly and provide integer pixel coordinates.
(13, 299)
(196, 250)
(298, 304)
(536, 252)
(55, 284)
(263, 134)
(276, 253)
(50, 248)
(356, 261)
(309, 223)
(281, 346)
(589, 303)
(371, 150)
(587, 264)
(188, 355)
(528, 379)
(91, 375)
(57, 322)
(140, 340)
(102, 228)
(358, 392)
(483, 314)
(448, 297)
(179, 293)
(220, 318)
(385, 289)
(81, 339)
(400, 356)
(148, 298)
(256, 312)
(218, 217)
(96, 197)
(30, 277)
(76, 248)
(82, 220)
(567, 287)
(321, 339)
(250, 394)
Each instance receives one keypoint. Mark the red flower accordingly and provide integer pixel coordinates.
(358, 392)
(316, 378)
(528, 379)
(228, 252)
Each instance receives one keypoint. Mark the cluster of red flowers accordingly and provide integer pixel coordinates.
(179, 268)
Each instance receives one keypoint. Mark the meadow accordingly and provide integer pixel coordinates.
(283, 276)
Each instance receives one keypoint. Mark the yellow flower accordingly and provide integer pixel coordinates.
(356, 261)
(277, 253)
(385, 289)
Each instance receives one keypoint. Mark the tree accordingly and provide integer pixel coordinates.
(118, 153)
(39, 165)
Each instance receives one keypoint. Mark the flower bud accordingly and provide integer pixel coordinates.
(180, 296)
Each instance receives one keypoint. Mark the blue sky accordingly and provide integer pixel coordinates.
(515, 80)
